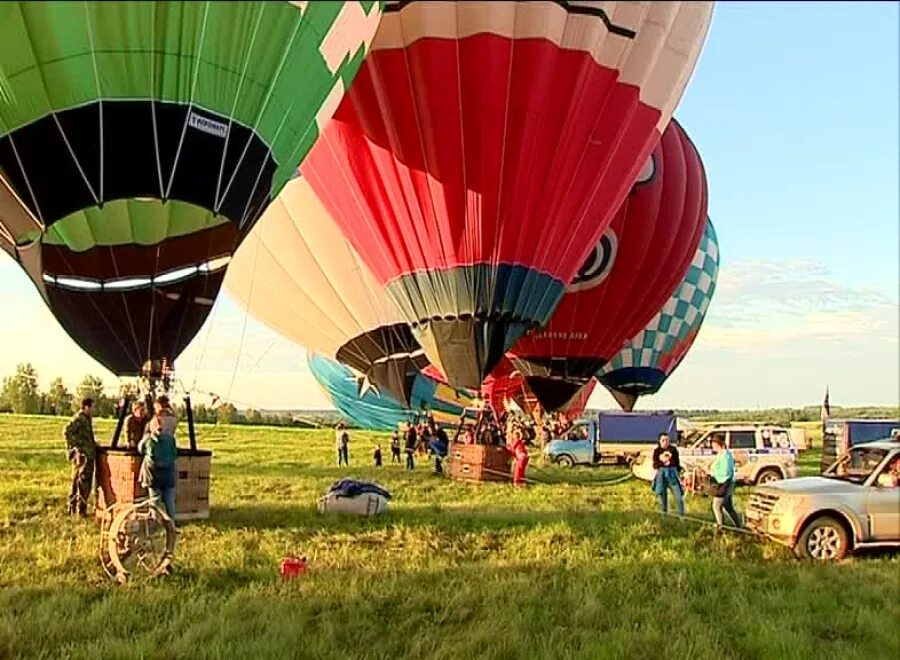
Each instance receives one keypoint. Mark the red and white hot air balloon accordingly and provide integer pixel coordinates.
(484, 148)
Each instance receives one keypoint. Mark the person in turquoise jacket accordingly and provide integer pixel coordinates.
(722, 473)
(160, 452)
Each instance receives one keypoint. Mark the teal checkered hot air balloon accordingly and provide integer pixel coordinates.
(140, 142)
(649, 358)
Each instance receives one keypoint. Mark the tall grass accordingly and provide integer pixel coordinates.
(565, 568)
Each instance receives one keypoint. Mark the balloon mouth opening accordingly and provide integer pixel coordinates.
(477, 317)
(132, 283)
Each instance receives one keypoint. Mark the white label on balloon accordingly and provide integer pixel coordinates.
(209, 126)
(598, 264)
(342, 39)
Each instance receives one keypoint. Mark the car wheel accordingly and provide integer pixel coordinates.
(824, 539)
(566, 461)
(767, 476)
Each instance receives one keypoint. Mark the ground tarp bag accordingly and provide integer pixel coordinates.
(356, 497)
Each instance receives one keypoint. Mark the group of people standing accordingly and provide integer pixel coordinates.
(153, 437)
(417, 439)
(430, 438)
(667, 479)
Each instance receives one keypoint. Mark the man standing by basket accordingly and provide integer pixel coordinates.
(81, 449)
(136, 424)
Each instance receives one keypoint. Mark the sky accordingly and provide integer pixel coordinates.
(794, 109)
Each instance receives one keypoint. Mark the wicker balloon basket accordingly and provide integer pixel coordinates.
(479, 463)
(118, 481)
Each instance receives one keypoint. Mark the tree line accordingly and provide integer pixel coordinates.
(787, 416)
(21, 394)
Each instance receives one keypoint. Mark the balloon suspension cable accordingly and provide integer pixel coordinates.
(240, 350)
(263, 354)
(156, 377)
(202, 356)
(218, 401)
(151, 325)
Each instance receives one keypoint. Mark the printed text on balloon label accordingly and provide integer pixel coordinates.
(209, 126)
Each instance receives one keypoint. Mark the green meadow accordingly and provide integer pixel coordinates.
(566, 568)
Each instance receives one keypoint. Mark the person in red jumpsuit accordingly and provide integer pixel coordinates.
(520, 453)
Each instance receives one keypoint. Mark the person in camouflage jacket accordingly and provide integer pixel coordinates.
(82, 452)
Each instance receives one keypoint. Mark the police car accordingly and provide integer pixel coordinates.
(762, 453)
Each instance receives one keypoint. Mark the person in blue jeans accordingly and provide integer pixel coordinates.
(722, 473)
(668, 474)
(159, 451)
(412, 441)
(342, 443)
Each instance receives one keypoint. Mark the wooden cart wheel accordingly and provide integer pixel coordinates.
(106, 519)
(141, 541)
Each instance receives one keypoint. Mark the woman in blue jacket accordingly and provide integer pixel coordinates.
(159, 451)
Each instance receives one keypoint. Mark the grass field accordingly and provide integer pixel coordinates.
(560, 570)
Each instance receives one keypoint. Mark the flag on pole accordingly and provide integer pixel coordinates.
(826, 408)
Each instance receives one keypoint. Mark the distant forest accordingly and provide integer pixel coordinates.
(21, 394)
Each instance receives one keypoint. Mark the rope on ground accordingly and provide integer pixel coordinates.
(710, 523)
(618, 480)
(607, 482)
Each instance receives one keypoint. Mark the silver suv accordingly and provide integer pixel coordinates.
(854, 504)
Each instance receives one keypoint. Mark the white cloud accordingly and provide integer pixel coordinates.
(777, 333)
(760, 303)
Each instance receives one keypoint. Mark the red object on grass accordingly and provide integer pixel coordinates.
(292, 567)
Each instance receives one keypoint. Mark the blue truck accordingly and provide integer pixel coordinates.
(842, 434)
(612, 438)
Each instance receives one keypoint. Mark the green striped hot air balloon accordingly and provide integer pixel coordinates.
(140, 141)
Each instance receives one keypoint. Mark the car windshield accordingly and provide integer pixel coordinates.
(856, 465)
(706, 441)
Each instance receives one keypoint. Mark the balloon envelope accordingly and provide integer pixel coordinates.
(653, 354)
(374, 410)
(480, 138)
(297, 273)
(146, 138)
(637, 264)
